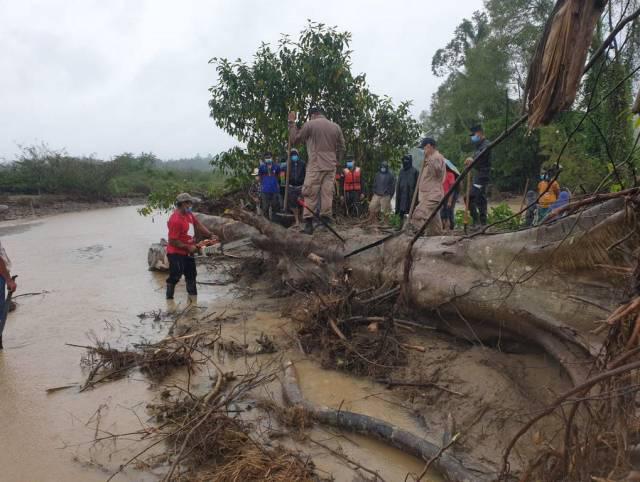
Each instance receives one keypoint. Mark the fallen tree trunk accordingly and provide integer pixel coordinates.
(448, 466)
(549, 285)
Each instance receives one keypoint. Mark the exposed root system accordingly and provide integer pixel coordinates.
(334, 324)
(156, 361)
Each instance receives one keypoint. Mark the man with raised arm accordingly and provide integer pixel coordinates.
(325, 146)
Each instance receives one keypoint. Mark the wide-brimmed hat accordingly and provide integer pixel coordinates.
(185, 197)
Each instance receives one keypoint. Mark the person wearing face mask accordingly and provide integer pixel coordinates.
(296, 181)
(548, 192)
(351, 185)
(384, 186)
(481, 177)
(407, 181)
(269, 186)
(430, 189)
(182, 226)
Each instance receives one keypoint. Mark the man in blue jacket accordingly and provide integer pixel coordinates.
(270, 186)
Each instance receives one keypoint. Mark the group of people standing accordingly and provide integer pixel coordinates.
(310, 187)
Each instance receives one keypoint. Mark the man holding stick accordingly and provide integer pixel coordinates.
(325, 146)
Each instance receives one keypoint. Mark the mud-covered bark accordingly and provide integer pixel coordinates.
(549, 285)
(448, 466)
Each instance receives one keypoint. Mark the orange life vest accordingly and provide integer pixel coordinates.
(352, 180)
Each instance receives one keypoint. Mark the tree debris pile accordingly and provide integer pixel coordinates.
(204, 437)
(218, 205)
(341, 326)
(256, 463)
(154, 360)
(264, 345)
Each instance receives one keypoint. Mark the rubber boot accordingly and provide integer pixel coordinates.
(170, 290)
(308, 226)
(191, 288)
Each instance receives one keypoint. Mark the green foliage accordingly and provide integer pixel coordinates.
(163, 195)
(395, 220)
(501, 212)
(250, 101)
(41, 170)
(484, 68)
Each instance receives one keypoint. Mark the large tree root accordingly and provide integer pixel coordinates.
(447, 465)
(545, 285)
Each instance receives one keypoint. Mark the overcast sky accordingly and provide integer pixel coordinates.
(104, 77)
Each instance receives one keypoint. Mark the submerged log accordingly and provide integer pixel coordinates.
(448, 466)
(549, 285)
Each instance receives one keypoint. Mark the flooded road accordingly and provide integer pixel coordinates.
(93, 267)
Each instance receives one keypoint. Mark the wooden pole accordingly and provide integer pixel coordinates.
(467, 201)
(286, 182)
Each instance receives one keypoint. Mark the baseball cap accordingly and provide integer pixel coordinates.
(427, 141)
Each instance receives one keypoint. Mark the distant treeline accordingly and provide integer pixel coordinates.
(41, 170)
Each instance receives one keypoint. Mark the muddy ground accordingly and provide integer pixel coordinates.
(442, 386)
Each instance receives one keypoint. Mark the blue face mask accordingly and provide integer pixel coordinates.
(269, 161)
(189, 209)
(349, 165)
(294, 158)
(475, 138)
(383, 170)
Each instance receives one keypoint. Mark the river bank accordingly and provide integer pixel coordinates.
(37, 206)
(94, 283)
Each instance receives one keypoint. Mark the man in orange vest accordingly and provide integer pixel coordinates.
(352, 184)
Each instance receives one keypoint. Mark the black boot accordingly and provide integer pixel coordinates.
(308, 226)
(1, 347)
(191, 288)
(170, 289)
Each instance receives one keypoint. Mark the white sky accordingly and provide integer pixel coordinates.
(104, 77)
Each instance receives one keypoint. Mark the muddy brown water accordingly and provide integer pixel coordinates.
(93, 265)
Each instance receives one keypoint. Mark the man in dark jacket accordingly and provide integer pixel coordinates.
(407, 181)
(296, 181)
(384, 185)
(481, 177)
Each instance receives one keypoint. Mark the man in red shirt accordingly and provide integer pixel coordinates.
(182, 246)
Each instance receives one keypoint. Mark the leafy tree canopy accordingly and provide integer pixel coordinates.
(251, 100)
(484, 68)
